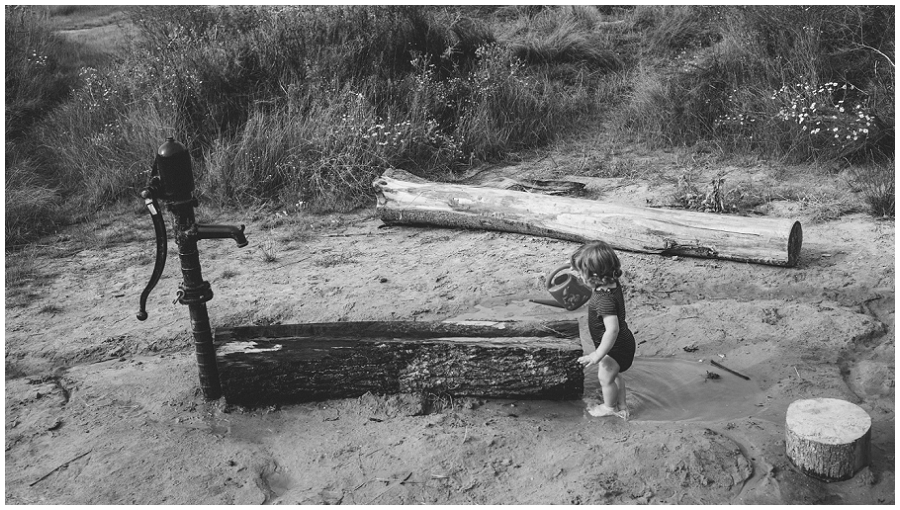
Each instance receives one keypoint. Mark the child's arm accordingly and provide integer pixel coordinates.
(611, 322)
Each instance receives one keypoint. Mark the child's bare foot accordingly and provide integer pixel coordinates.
(603, 410)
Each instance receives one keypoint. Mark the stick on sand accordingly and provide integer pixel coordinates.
(729, 370)
(57, 468)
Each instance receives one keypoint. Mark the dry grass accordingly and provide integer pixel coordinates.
(268, 248)
(283, 107)
(876, 184)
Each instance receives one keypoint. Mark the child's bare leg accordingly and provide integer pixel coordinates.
(623, 407)
(607, 374)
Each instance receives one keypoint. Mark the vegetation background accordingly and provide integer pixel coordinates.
(301, 107)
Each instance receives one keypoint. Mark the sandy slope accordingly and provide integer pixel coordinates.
(87, 380)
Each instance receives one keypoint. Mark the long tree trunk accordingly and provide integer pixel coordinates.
(268, 365)
(406, 199)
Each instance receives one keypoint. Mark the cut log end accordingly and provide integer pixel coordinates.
(795, 242)
(827, 438)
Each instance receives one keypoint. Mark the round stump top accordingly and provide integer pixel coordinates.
(827, 420)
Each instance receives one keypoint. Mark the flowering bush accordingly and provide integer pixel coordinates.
(826, 120)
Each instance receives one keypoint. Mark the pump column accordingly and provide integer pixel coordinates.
(173, 162)
(195, 292)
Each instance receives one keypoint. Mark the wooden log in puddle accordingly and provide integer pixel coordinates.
(285, 364)
(406, 199)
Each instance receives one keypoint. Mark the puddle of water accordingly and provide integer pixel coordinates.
(667, 389)
(658, 390)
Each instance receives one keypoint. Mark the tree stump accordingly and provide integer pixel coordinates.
(827, 438)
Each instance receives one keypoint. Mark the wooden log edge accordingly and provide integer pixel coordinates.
(795, 242)
(788, 258)
(294, 363)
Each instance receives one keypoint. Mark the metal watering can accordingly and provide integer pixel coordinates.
(566, 289)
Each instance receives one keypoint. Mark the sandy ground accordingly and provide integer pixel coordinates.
(102, 408)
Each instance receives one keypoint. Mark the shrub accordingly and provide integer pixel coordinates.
(32, 207)
(563, 36)
(100, 144)
(671, 29)
(876, 182)
(774, 85)
(34, 81)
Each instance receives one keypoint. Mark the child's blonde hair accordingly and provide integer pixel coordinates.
(599, 261)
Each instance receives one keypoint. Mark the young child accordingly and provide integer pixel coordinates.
(598, 266)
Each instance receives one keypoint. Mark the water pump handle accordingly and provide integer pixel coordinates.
(159, 227)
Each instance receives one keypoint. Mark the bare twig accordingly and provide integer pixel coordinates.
(57, 468)
(348, 235)
(294, 262)
(858, 46)
(389, 488)
(729, 370)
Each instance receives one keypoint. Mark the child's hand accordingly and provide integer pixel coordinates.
(588, 360)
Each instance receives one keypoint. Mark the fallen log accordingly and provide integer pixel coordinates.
(285, 364)
(406, 199)
(827, 438)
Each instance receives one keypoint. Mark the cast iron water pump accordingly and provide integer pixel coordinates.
(172, 180)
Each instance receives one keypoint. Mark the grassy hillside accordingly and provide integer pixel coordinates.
(291, 105)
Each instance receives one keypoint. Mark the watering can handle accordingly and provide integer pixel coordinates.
(553, 274)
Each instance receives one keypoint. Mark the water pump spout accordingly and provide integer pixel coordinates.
(222, 232)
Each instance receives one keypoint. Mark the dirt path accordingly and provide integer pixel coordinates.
(101, 408)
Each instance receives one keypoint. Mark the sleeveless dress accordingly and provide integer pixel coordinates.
(611, 302)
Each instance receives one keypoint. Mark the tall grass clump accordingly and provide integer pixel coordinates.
(801, 83)
(876, 183)
(34, 81)
(565, 35)
(42, 69)
(308, 104)
(218, 79)
(672, 29)
(32, 205)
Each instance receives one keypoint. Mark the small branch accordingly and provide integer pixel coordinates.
(348, 235)
(57, 468)
(729, 370)
(389, 488)
(294, 262)
(859, 47)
